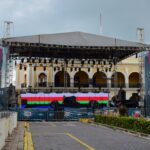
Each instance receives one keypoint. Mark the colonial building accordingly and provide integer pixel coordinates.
(76, 61)
(40, 75)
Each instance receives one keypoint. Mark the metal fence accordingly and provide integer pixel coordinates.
(77, 85)
(5, 114)
(68, 114)
(3, 98)
(32, 114)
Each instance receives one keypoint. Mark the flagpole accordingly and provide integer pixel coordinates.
(100, 23)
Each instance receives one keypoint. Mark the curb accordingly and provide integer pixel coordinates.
(86, 120)
(28, 143)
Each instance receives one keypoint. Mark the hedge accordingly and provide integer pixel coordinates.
(139, 125)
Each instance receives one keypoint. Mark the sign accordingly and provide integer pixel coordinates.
(27, 113)
(147, 84)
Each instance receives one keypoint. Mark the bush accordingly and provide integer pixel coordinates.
(139, 125)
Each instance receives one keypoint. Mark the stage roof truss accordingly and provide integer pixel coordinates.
(53, 51)
(73, 45)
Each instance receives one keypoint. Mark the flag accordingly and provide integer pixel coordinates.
(149, 57)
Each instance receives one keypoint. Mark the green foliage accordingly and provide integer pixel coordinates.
(139, 125)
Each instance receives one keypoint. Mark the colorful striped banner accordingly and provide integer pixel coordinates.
(82, 98)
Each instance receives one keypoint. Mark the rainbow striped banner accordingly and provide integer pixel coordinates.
(47, 98)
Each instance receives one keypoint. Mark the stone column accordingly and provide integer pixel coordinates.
(90, 77)
(126, 78)
(109, 83)
(126, 81)
(29, 75)
(17, 77)
(71, 82)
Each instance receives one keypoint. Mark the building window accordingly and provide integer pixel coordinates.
(42, 80)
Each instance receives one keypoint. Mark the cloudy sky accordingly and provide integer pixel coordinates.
(120, 18)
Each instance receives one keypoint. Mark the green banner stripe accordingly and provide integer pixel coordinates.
(60, 102)
(38, 103)
(103, 102)
(83, 102)
(86, 102)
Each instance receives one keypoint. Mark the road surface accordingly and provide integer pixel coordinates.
(79, 136)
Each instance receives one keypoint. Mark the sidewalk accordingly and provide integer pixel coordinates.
(15, 140)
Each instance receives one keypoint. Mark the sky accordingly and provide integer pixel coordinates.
(119, 18)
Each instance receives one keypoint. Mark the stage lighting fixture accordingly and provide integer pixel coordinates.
(25, 68)
(34, 68)
(44, 68)
(110, 69)
(104, 62)
(99, 62)
(66, 61)
(56, 61)
(93, 62)
(136, 55)
(33, 60)
(82, 62)
(50, 60)
(114, 62)
(72, 62)
(28, 60)
(44, 61)
(22, 60)
(20, 67)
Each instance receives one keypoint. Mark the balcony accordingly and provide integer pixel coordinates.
(50, 87)
(135, 85)
(23, 85)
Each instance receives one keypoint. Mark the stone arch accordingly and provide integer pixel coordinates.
(134, 80)
(99, 79)
(117, 80)
(60, 77)
(81, 79)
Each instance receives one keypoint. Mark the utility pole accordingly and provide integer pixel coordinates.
(7, 28)
(8, 25)
(101, 24)
(140, 35)
(140, 38)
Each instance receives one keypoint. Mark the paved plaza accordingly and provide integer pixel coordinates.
(79, 136)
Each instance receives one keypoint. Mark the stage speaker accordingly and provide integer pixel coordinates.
(20, 67)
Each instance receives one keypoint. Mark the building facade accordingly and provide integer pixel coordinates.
(43, 75)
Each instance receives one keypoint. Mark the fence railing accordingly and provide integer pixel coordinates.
(5, 114)
(50, 87)
(54, 115)
(102, 85)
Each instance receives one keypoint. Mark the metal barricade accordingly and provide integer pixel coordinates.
(67, 114)
(4, 114)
